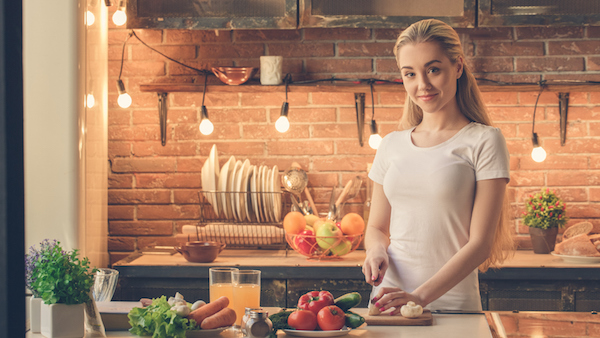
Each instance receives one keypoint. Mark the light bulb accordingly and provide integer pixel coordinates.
(89, 18)
(90, 100)
(538, 154)
(124, 100)
(375, 138)
(119, 18)
(206, 127)
(282, 124)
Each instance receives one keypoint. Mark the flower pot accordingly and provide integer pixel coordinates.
(543, 240)
(35, 306)
(63, 321)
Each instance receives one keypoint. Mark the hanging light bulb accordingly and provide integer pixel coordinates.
(89, 18)
(375, 138)
(90, 101)
(206, 127)
(120, 18)
(538, 153)
(124, 99)
(283, 124)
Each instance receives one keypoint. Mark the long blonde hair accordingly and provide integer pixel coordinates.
(470, 104)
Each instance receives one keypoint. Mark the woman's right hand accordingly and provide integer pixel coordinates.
(375, 265)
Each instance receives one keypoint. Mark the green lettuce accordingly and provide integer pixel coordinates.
(159, 321)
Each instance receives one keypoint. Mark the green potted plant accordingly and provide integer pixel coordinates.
(546, 213)
(63, 281)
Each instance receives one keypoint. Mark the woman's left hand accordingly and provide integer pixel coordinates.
(388, 298)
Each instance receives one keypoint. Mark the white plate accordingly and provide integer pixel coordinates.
(254, 193)
(213, 176)
(300, 333)
(223, 178)
(231, 188)
(251, 200)
(577, 259)
(244, 193)
(240, 188)
(259, 188)
(276, 196)
(205, 333)
(266, 195)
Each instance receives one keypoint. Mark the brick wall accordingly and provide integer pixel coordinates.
(153, 189)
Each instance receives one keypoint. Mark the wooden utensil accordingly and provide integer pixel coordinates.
(307, 193)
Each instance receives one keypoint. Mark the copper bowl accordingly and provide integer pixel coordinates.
(200, 252)
(234, 75)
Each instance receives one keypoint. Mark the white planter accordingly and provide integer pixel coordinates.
(63, 321)
(35, 306)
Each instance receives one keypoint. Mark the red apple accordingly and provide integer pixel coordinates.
(305, 243)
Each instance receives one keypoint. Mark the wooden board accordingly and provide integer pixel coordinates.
(426, 319)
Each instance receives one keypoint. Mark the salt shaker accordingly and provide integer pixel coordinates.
(258, 325)
(245, 319)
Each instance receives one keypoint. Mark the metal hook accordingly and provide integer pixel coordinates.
(162, 116)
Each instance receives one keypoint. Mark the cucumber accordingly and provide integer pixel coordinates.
(354, 320)
(348, 301)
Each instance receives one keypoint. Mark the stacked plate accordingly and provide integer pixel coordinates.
(241, 191)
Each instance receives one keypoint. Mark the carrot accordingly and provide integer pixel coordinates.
(209, 309)
(225, 317)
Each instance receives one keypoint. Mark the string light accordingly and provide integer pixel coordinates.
(375, 138)
(120, 17)
(206, 127)
(283, 124)
(538, 153)
(124, 100)
(90, 18)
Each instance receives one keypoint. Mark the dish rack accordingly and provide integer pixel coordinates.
(261, 228)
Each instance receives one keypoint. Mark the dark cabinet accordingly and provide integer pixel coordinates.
(538, 13)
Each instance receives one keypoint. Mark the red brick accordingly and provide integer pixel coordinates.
(519, 147)
(126, 165)
(295, 50)
(491, 65)
(397, 97)
(192, 67)
(593, 63)
(513, 113)
(187, 164)
(594, 194)
(527, 33)
(129, 196)
(387, 66)
(172, 148)
(186, 196)
(526, 178)
(192, 132)
(181, 52)
(512, 48)
(115, 257)
(387, 34)
(555, 162)
(580, 77)
(150, 241)
(584, 113)
(245, 148)
(174, 115)
(335, 65)
(237, 115)
(139, 68)
(352, 147)
(575, 47)
(119, 149)
(120, 181)
(310, 115)
(572, 146)
(115, 53)
(508, 78)
(267, 35)
(572, 177)
(194, 36)
(177, 180)
(120, 212)
(337, 34)
(576, 98)
(263, 99)
(168, 212)
(313, 148)
(500, 98)
(593, 330)
(335, 131)
(268, 131)
(346, 99)
(488, 33)
(550, 64)
(230, 51)
(121, 243)
(211, 99)
(141, 228)
(583, 210)
(594, 162)
(365, 49)
(349, 163)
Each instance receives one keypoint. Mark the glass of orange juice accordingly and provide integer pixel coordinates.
(246, 292)
(220, 283)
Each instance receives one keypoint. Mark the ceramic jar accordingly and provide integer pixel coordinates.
(62, 321)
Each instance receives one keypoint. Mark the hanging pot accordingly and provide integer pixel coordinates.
(62, 321)
(543, 240)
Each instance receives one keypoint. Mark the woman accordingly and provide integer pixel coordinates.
(439, 184)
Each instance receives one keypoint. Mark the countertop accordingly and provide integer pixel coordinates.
(287, 264)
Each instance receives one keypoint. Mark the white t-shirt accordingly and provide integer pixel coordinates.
(431, 192)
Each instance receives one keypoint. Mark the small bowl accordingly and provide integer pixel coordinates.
(200, 252)
(234, 75)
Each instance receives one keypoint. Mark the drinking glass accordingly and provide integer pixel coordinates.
(105, 282)
(220, 283)
(246, 292)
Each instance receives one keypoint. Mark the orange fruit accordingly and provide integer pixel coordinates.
(352, 224)
(294, 222)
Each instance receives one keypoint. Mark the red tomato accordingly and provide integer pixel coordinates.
(331, 318)
(303, 320)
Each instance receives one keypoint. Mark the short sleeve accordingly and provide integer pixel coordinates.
(381, 163)
(492, 159)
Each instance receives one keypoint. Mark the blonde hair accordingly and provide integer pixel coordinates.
(470, 104)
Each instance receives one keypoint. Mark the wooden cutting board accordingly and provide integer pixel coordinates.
(385, 319)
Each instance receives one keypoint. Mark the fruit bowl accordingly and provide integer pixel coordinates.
(323, 247)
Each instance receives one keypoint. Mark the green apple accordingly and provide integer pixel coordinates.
(328, 235)
(342, 248)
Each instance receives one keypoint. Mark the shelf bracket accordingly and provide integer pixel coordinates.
(359, 103)
(563, 107)
(162, 116)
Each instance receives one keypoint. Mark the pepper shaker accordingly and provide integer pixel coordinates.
(245, 319)
(258, 325)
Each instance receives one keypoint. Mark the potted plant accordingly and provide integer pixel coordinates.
(546, 212)
(63, 281)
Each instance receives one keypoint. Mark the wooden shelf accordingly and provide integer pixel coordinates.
(350, 87)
